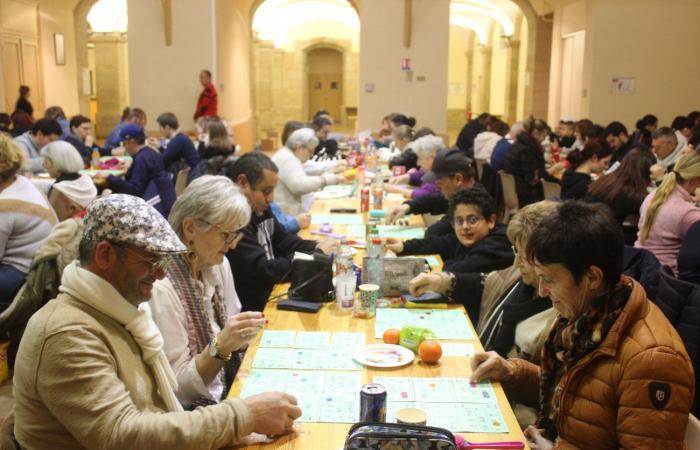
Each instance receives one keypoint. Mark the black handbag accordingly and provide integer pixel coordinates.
(370, 436)
(312, 280)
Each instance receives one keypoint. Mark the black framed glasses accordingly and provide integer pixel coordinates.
(228, 236)
(469, 220)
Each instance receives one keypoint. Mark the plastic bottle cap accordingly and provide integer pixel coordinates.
(376, 240)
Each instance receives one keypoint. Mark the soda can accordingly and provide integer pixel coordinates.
(373, 403)
(399, 170)
(364, 200)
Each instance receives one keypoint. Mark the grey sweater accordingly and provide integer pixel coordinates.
(31, 151)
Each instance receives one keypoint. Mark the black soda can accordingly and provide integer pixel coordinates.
(373, 403)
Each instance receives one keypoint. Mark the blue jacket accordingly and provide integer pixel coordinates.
(288, 222)
(113, 140)
(498, 157)
(180, 147)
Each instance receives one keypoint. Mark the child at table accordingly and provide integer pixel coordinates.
(477, 246)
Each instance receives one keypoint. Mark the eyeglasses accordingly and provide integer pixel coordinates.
(229, 236)
(156, 263)
(469, 220)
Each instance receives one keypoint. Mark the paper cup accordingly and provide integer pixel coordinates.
(366, 306)
(411, 416)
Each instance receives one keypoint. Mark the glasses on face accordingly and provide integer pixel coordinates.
(228, 236)
(155, 263)
(469, 220)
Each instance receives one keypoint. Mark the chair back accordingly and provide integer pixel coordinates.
(692, 432)
(510, 196)
(181, 181)
(480, 162)
(551, 189)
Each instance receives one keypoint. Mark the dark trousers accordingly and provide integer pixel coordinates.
(11, 280)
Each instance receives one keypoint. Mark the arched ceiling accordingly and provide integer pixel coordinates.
(274, 20)
(108, 16)
(479, 15)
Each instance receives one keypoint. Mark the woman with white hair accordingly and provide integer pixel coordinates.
(293, 180)
(426, 148)
(196, 306)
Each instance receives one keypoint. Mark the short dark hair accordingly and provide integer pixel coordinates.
(5, 119)
(168, 119)
(47, 127)
(400, 119)
(23, 90)
(681, 122)
(477, 196)
(208, 72)
(580, 235)
(666, 133)
(615, 129)
(78, 120)
(54, 112)
(320, 122)
(252, 165)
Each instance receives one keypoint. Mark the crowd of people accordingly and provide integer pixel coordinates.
(129, 311)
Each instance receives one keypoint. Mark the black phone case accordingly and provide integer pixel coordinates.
(299, 306)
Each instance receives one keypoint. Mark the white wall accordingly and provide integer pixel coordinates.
(163, 78)
(381, 51)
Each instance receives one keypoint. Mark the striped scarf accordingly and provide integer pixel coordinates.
(199, 333)
(568, 343)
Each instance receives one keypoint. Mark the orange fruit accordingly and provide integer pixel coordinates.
(391, 336)
(430, 351)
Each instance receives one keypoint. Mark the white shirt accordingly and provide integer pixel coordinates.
(169, 314)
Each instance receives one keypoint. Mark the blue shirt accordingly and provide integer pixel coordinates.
(288, 222)
(113, 140)
(147, 165)
(180, 147)
(498, 157)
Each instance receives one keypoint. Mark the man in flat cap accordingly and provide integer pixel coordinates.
(90, 370)
(146, 177)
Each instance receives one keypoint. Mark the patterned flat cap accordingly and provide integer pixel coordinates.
(125, 219)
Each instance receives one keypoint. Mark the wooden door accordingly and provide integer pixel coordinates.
(12, 71)
(326, 92)
(31, 73)
(572, 74)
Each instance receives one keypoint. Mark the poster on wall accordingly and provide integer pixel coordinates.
(622, 85)
(59, 49)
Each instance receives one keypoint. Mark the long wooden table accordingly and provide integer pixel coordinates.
(332, 435)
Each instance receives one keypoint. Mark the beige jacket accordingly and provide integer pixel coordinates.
(80, 382)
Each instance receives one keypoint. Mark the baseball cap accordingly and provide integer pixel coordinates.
(125, 219)
(448, 161)
(132, 131)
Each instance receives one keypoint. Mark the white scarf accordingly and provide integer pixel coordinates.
(92, 290)
(672, 157)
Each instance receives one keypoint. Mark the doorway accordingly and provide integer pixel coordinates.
(325, 85)
(572, 74)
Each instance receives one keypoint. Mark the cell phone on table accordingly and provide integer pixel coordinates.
(344, 210)
(426, 297)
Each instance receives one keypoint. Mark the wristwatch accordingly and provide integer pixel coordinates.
(216, 353)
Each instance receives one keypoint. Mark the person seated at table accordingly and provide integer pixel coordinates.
(81, 138)
(264, 255)
(129, 115)
(624, 190)
(26, 219)
(592, 160)
(451, 171)
(525, 161)
(146, 177)
(477, 245)
(426, 149)
(614, 373)
(325, 148)
(668, 212)
(91, 368)
(215, 149)
(57, 113)
(31, 142)
(401, 153)
(294, 182)
(62, 162)
(179, 152)
(196, 306)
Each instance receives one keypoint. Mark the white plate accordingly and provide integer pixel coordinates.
(383, 355)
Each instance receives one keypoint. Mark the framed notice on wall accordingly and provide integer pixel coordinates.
(622, 85)
(59, 48)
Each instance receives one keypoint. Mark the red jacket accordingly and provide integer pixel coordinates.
(207, 105)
